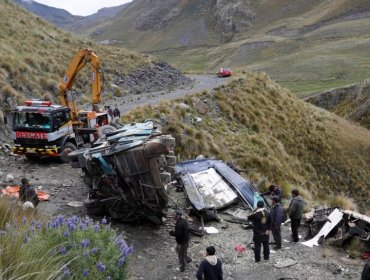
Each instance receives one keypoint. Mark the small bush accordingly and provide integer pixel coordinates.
(62, 248)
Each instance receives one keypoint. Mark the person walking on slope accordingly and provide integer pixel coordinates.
(28, 193)
(261, 221)
(274, 190)
(295, 212)
(116, 112)
(277, 217)
(211, 267)
(181, 233)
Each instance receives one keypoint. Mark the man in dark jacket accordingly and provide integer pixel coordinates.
(295, 212)
(274, 190)
(277, 217)
(261, 220)
(28, 193)
(366, 271)
(181, 233)
(116, 112)
(211, 267)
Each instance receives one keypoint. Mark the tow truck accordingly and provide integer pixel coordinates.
(43, 129)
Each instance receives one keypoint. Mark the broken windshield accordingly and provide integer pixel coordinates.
(32, 121)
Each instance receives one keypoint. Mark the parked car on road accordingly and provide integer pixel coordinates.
(224, 72)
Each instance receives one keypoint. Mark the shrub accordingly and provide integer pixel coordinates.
(62, 248)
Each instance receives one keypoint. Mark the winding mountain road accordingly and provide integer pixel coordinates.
(201, 82)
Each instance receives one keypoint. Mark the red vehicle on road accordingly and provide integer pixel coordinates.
(224, 72)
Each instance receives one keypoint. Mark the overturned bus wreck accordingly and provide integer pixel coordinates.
(127, 172)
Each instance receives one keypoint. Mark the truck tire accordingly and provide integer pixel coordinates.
(68, 148)
(105, 129)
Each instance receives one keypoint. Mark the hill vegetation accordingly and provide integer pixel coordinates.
(308, 46)
(35, 55)
(268, 132)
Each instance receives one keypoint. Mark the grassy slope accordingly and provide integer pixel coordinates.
(35, 55)
(264, 128)
(308, 46)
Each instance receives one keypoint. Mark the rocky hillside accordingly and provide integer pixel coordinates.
(322, 44)
(273, 136)
(35, 55)
(350, 102)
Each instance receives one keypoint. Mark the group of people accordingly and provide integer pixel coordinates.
(116, 113)
(263, 222)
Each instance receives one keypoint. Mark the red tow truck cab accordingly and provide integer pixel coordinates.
(224, 72)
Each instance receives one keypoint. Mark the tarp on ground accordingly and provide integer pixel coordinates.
(242, 186)
(13, 191)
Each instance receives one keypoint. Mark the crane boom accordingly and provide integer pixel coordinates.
(83, 57)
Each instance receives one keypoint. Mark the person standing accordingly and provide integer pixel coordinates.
(295, 212)
(365, 275)
(211, 267)
(261, 221)
(116, 112)
(110, 111)
(181, 233)
(28, 193)
(277, 217)
(274, 190)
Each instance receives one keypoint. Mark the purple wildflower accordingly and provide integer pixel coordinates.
(71, 226)
(86, 272)
(7, 226)
(66, 234)
(85, 243)
(104, 221)
(86, 254)
(63, 250)
(24, 220)
(109, 278)
(100, 266)
(96, 227)
(94, 250)
(121, 261)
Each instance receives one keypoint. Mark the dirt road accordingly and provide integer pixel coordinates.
(200, 83)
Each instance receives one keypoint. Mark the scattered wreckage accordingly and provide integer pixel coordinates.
(342, 225)
(211, 185)
(127, 172)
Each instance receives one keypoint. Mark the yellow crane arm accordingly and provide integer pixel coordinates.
(83, 57)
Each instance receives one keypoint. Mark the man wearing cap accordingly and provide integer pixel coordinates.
(181, 233)
(211, 267)
(261, 221)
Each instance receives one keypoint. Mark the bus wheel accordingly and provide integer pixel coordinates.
(68, 148)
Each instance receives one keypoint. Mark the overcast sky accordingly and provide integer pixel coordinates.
(82, 7)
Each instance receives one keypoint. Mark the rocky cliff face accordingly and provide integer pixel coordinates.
(228, 17)
(232, 16)
(157, 15)
(351, 102)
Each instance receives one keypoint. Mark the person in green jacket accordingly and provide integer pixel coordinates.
(295, 212)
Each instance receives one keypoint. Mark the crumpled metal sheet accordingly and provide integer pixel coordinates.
(241, 185)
